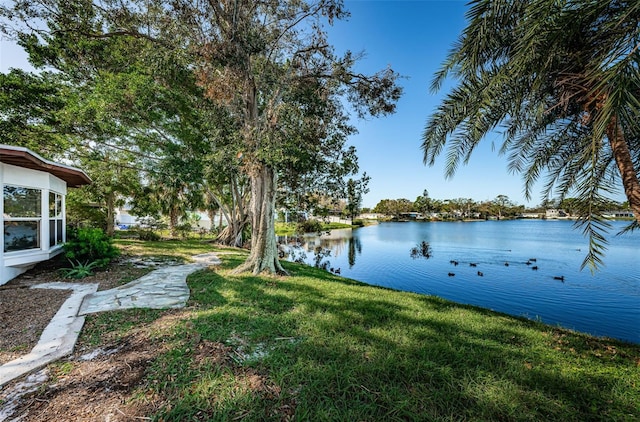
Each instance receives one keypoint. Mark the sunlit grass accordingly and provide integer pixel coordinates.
(183, 249)
(289, 229)
(314, 346)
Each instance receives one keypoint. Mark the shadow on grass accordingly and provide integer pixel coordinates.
(336, 349)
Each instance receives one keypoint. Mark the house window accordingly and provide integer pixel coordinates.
(55, 219)
(22, 218)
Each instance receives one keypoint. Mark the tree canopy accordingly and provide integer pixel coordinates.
(222, 90)
(30, 107)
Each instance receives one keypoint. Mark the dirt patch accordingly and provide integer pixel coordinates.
(25, 312)
(248, 380)
(95, 389)
(111, 384)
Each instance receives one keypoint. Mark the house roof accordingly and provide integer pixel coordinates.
(23, 157)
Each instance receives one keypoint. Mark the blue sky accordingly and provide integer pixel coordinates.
(413, 37)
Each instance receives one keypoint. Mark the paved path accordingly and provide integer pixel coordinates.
(160, 289)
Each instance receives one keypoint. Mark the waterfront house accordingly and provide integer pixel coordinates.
(619, 214)
(371, 216)
(529, 215)
(555, 214)
(413, 215)
(33, 208)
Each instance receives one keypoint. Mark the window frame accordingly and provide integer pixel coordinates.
(56, 230)
(15, 221)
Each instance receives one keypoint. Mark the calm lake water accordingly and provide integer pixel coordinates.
(604, 304)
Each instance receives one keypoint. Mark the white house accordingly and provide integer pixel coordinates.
(555, 214)
(529, 215)
(33, 208)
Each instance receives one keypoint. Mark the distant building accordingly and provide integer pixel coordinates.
(529, 215)
(411, 215)
(371, 216)
(125, 220)
(619, 214)
(555, 214)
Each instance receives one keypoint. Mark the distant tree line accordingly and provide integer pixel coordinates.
(459, 208)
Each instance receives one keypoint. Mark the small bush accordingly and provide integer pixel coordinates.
(184, 229)
(309, 226)
(153, 223)
(145, 234)
(90, 245)
(358, 223)
(79, 269)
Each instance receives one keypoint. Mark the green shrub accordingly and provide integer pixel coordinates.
(79, 269)
(148, 234)
(90, 245)
(358, 223)
(309, 226)
(184, 229)
(151, 223)
(81, 214)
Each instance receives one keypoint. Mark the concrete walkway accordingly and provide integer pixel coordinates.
(160, 289)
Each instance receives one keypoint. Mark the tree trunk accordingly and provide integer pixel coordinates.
(110, 213)
(231, 235)
(625, 166)
(173, 221)
(263, 178)
(264, 248)
(235, 215)
(212, 216)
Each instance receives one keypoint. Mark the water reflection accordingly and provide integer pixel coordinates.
(322, 247)
(422, 250)
(355, 248)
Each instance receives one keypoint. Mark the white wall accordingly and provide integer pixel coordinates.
(15, 263)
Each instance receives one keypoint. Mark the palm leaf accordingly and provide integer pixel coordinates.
(553, 76)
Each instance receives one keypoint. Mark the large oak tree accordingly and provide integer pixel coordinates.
(270, 63)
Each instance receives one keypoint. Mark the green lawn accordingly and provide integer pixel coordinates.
(289, 229)
(314, 346)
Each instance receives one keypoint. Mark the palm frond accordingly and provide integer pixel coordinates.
(633, 226)
(557, 77)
